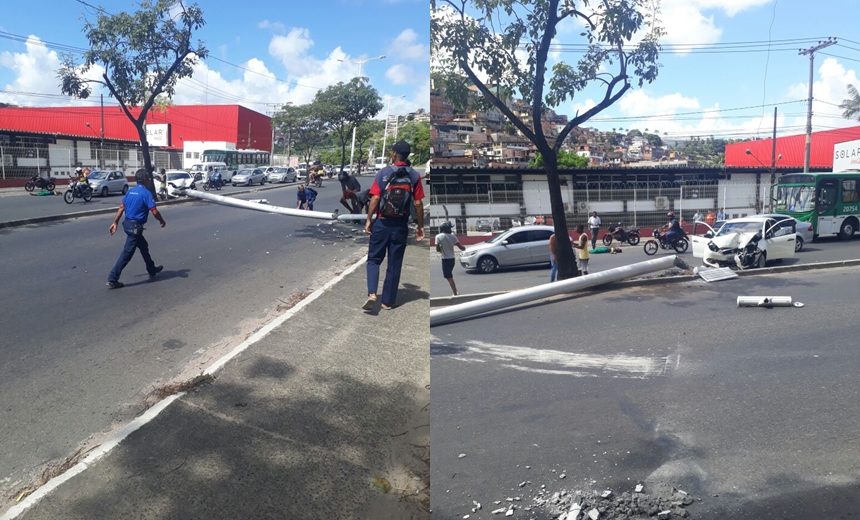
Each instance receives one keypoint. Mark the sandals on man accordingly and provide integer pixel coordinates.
(368, 305)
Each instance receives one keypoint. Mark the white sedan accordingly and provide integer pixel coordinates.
(744, 242)
(248, 177)
(176, 180)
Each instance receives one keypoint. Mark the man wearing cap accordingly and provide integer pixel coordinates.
(389, 235)
(136, 204)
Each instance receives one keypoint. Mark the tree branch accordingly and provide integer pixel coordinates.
(577, 14)
(516, 121)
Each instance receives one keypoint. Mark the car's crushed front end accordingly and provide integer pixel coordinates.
(741, 250)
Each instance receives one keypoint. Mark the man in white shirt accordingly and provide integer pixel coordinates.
(594, 225)
(698, 217)
(445, 243)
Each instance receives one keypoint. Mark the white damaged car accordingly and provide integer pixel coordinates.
(744, 242)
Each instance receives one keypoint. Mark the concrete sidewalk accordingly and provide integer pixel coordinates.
(327, 416)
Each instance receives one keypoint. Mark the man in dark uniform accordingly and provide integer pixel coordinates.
(136, 204)
(388, 235)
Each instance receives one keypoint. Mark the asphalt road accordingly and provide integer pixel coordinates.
(78, 358)
(824, 249)
(17, 204)
(754, 411)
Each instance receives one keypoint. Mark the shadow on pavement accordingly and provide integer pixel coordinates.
(298, 449)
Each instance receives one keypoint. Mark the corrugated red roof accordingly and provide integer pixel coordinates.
(188, 123)
(791, 148)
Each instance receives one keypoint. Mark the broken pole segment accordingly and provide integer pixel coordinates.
(501, 301)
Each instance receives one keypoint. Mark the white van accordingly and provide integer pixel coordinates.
(203, 169)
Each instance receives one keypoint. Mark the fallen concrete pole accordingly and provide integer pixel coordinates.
(500, 301)
(765, 301)
(268, 208)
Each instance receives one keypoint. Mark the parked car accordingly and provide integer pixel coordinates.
(248, 177)
(522, 245)
(483, 225)
(282, 174)
(744, 242)
(180, 179)
(105, 182)
(267, 170)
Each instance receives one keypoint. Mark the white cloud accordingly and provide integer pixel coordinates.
(830, 89)
(276, 26)
(407, 47)
(400, 74)
(292, 50)
(36, 72)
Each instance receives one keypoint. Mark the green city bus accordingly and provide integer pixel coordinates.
(237, 159)
(828, 201)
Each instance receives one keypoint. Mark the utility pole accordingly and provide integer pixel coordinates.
(103, 133)
(249, 135)
(811, 53)
(773, 160)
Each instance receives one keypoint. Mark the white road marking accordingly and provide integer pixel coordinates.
(548, 361)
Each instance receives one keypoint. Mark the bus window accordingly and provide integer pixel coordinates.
(827, 195)
(849, 191)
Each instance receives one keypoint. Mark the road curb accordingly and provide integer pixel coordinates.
(105, 211)
(444, 301)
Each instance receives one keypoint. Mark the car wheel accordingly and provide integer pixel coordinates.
(798, 244)
(104, 192)
(849, 226)
(262, 181)
(125, 189)
(487, 264)
(762, 261)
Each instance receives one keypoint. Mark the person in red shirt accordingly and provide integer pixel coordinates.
(388, 235)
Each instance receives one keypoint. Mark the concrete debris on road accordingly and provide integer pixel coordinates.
(606, 505)
(499, 511)
(460, 456)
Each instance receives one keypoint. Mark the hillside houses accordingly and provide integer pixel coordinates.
(485, 138)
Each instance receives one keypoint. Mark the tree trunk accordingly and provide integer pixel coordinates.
(563, 248)
(147, 161)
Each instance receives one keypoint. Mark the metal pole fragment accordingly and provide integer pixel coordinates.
(267, 208)
(765, 301)
(501, 301)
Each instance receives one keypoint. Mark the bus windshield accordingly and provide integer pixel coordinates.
(795, 199)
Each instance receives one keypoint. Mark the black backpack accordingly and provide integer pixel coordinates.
(397, 195)
(312, 191)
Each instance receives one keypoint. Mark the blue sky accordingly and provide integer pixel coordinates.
(709, 85)
(290, 50)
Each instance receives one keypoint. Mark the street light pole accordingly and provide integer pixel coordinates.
(811, 53)
(352, 148)
(103, 132)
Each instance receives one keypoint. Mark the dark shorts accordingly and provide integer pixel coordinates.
(448, 268)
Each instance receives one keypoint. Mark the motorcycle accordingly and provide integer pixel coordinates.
(315, 179)
(630, 235)
(214, 181)
(37, 181)
(680, 244)
(76, 190)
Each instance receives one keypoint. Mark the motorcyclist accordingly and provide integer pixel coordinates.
(315, 170)
(81, 178)
(672, 229)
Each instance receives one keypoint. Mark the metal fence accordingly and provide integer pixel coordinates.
(485, 206)
(60, 160)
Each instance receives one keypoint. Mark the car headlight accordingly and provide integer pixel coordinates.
(713, 247)
(467, 254)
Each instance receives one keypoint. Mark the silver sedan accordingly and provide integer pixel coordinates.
(283, 174)
(248, 177)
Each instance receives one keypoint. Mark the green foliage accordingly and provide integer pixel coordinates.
(565, 159)
(344, 105)
(634, 133)
(653, 139)
(143, 55)
(302, 126)
(418, 136)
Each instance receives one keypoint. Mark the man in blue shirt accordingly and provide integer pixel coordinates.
(305, 197)
(136, 204)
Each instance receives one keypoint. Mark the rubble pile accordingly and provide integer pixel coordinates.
(606, 505)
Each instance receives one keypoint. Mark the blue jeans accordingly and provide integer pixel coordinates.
(387, 236)
(311, 203)
(553, 270)
(133, 240)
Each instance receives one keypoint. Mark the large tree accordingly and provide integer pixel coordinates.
(344, 105)
(508, 43)
(143, 56)
(303, 127)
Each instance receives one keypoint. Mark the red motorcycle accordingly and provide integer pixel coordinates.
(680, 244)
(629, 235)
